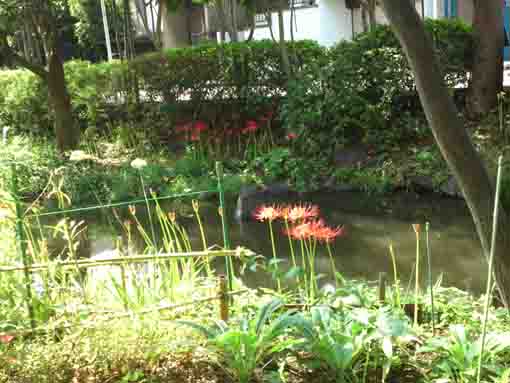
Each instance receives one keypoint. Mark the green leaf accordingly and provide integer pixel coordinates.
(265, 313)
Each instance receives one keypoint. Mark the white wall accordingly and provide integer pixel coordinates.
(335, 22)
(332, 21)
(307, 20)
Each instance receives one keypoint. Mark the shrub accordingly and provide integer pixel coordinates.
(359, 90)
(367, 91)
(216, 83)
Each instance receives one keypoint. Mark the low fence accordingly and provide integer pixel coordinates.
(28, 267)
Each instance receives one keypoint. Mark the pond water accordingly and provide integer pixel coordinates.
(371, 222)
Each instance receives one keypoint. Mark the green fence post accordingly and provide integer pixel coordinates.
(224, 224)
(22, 247)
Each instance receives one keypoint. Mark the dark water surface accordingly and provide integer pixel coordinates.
(371, 222)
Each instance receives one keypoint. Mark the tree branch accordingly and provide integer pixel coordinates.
(39, 70)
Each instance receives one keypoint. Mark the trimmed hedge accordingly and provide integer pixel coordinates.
(349, 90)
(367, 91)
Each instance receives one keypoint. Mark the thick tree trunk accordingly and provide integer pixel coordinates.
(487, 75)
(451, 136)
(371, 14)
(364, 17)
(66, 130)
(283, 46)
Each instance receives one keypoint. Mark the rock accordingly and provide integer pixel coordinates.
(451, 189)
(250, 197)
(351, 157)
(422, 183)
(333, 185)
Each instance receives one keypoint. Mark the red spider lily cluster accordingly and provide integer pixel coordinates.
(305, 219)
(192, 130)
(6, 338)
(195, 131)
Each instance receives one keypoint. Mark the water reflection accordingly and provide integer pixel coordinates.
(370, 222)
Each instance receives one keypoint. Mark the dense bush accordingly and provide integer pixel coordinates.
(367, 91)
(358, 90)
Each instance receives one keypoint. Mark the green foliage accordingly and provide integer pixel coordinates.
(89, 29)
(340, 341)
(459, 354)
(372, 180)
(242, 348)
(304, 174)
(366, 92)
(23, 101)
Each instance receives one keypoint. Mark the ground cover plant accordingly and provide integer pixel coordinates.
(338, 330)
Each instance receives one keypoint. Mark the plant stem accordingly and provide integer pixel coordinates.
(395, 274)
(291, 246)
(332, 260)
(148, 212)
(202, 235)
(489, 271)
(417, 278)
(431, 286)
(278, 283)
(303, 263)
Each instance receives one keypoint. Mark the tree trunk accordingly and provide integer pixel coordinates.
(364, 17)
(234, 36)
(66, 130)
(225, 21)
(451, 136)
(487, 75)
(371, 14)
(252, 30)
(283, 46)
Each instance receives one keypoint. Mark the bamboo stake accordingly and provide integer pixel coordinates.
(120, 315)
(416, 228)
(382, 288)
(86, 263)
(223, 294)
(431, 286)
(491, 263)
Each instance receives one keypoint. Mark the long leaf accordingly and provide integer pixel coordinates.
(265, 312)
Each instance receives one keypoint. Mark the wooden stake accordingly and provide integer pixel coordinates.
(223, 295)
(382, 288)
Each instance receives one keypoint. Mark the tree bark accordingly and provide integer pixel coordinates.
(487, 75)
(66, 130)
(225, 21)
(371, 14)
(364, 17)
(451, 136)
(283, 46)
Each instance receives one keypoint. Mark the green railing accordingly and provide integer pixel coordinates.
(28, 267)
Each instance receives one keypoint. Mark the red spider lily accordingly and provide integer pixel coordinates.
(200, 126)
(329, 234)
(183, 128)
(6, 338)
(302, 212)
(267, 213)
(306, 230)
(250, 127)
(285, 212)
